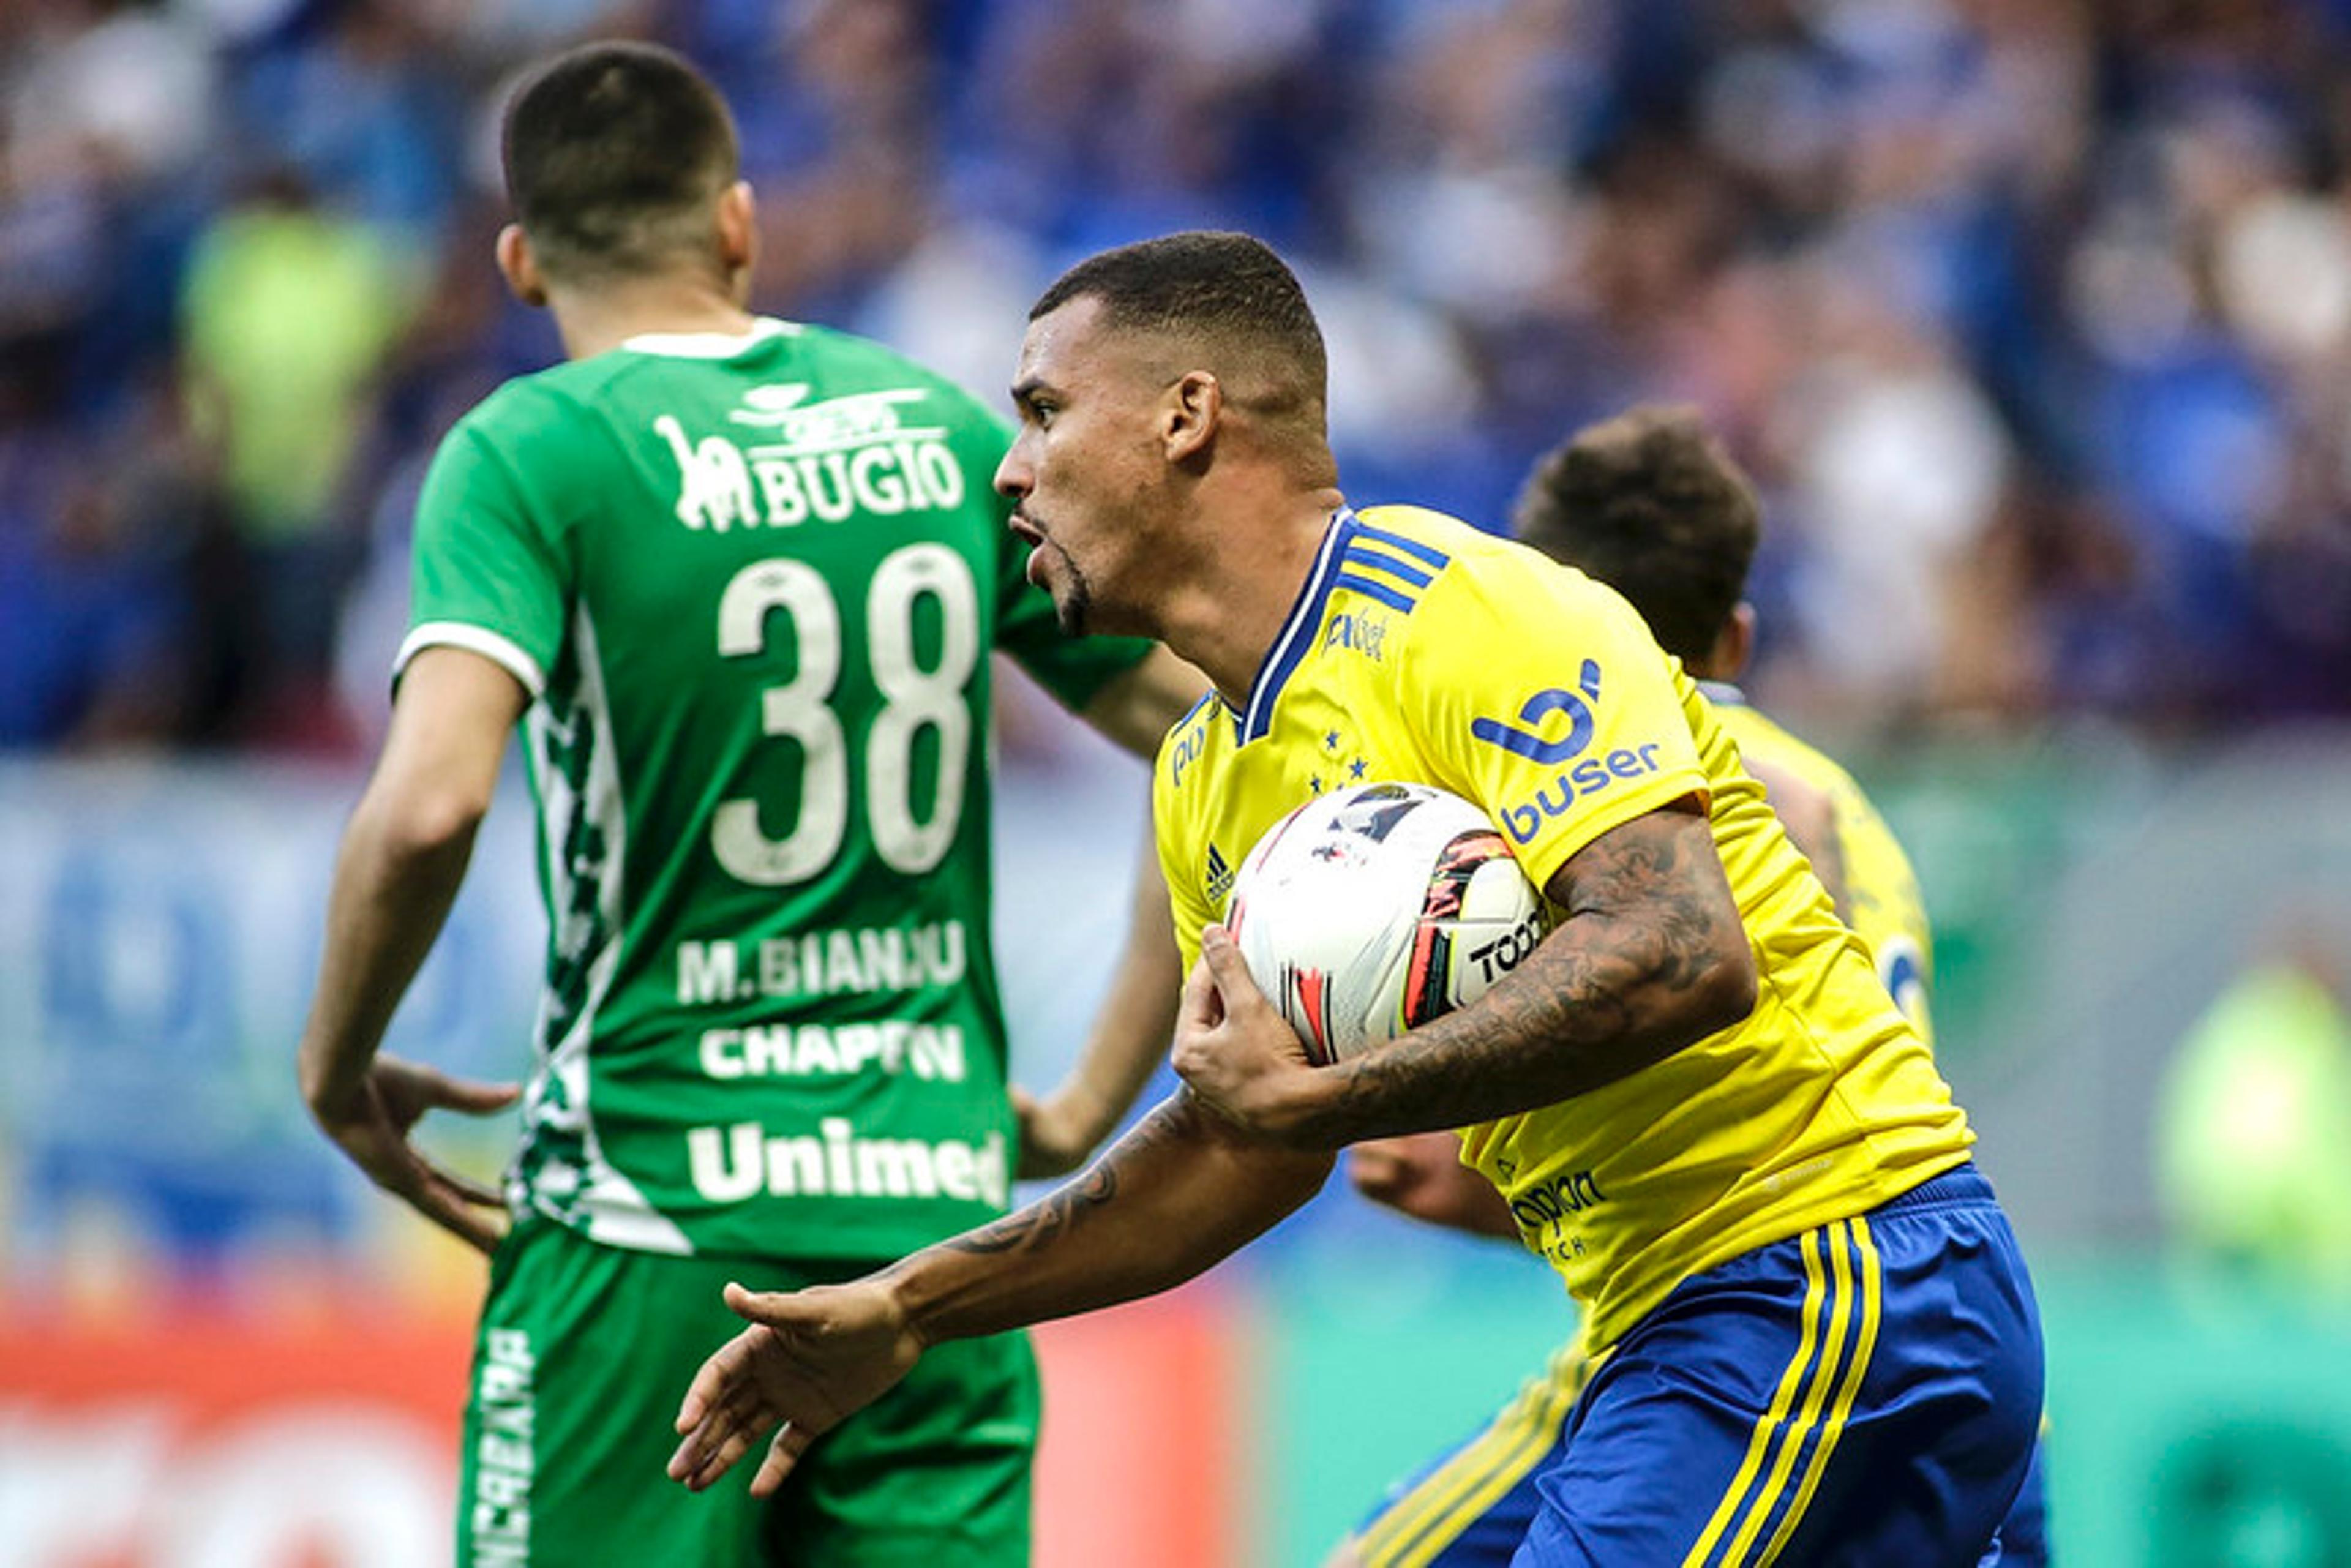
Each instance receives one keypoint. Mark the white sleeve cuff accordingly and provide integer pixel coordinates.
(500, 651)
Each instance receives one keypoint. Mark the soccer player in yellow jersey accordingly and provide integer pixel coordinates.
(1650, 504)
(1812, 1336)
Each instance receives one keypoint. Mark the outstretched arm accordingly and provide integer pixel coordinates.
(403, 855)
(1650, 957)
(1178, 1193)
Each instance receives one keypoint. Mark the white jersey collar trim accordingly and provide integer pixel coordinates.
(710, 345)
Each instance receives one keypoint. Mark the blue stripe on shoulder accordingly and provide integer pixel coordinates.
(1414, 547)
(1393, 598)
(1374, 560)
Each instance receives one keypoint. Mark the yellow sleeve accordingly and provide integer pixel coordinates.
(1541, 696)
(1187, 899)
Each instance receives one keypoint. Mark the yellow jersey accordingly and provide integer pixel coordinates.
(1422, 651)
(1881, 891)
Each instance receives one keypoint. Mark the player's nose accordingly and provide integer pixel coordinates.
(1015, 476)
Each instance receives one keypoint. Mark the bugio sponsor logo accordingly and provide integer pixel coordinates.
(1555, 726)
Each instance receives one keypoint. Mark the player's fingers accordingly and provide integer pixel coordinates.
(726, 1429)
(452, 1213)
(771, 1309)
(474, 1098)
(712, 1383)
(784, 1452)
(728, 1445)
(464, 1189)
(1230, 971)
(1201, 1007)
(1377, 1170)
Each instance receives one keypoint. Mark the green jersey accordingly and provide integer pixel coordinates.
(750, 583)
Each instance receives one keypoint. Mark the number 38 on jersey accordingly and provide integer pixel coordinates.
(801, 712)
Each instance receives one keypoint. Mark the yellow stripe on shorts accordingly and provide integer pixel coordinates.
(1817, 1388)
(1871, 1292)
(1782, 1399)
(1432, 1515)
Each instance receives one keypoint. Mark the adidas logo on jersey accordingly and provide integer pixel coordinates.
(1220, 876)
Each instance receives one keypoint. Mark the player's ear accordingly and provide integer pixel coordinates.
(1733, 643)
(520, 266)
(1188, 418)
(738, 230)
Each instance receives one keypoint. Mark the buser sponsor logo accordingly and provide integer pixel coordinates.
(1589, 776)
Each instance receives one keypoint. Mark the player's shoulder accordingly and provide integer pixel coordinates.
(852, 359)
(1764, 738)
(1479, 581)
(1187, 743)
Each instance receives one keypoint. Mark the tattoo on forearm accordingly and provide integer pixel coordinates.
(1645, 929)
(1066, 1207)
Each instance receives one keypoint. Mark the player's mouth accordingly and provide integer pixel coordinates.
(1033, 535)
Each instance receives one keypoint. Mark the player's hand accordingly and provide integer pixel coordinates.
(1421, 1175)
(809, 1360)
(370, 1119)
(1240, 1057)
(1057, 1131)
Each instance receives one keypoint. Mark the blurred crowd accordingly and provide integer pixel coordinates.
(2032, 319)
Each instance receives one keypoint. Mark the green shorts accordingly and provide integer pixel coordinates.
(582, 1355)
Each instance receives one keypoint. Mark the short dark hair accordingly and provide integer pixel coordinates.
(613, 151)
(1650, 504)
(1230, 287)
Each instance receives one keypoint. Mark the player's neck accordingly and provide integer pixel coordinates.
(595, 320)
(1225, 615)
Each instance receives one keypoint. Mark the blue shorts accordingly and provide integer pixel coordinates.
(1867, 1393)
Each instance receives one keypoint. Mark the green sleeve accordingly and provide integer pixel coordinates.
(485, 574)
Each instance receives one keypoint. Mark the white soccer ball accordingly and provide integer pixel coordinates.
(1366, 913)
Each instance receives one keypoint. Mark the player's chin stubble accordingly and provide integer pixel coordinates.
(1073, 604)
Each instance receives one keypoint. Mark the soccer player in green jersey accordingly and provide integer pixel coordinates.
(736, 578)
(1812, 1335)
(1649, 503)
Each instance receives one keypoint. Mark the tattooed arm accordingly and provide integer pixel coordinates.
(1650, 957)
(1178, 1193)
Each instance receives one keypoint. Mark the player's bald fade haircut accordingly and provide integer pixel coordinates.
(1230, 293)
(1649, 503)
(613, 154)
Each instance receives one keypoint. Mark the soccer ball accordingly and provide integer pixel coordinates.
(1366, 913)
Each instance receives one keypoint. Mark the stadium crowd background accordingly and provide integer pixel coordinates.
(2034, 319)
